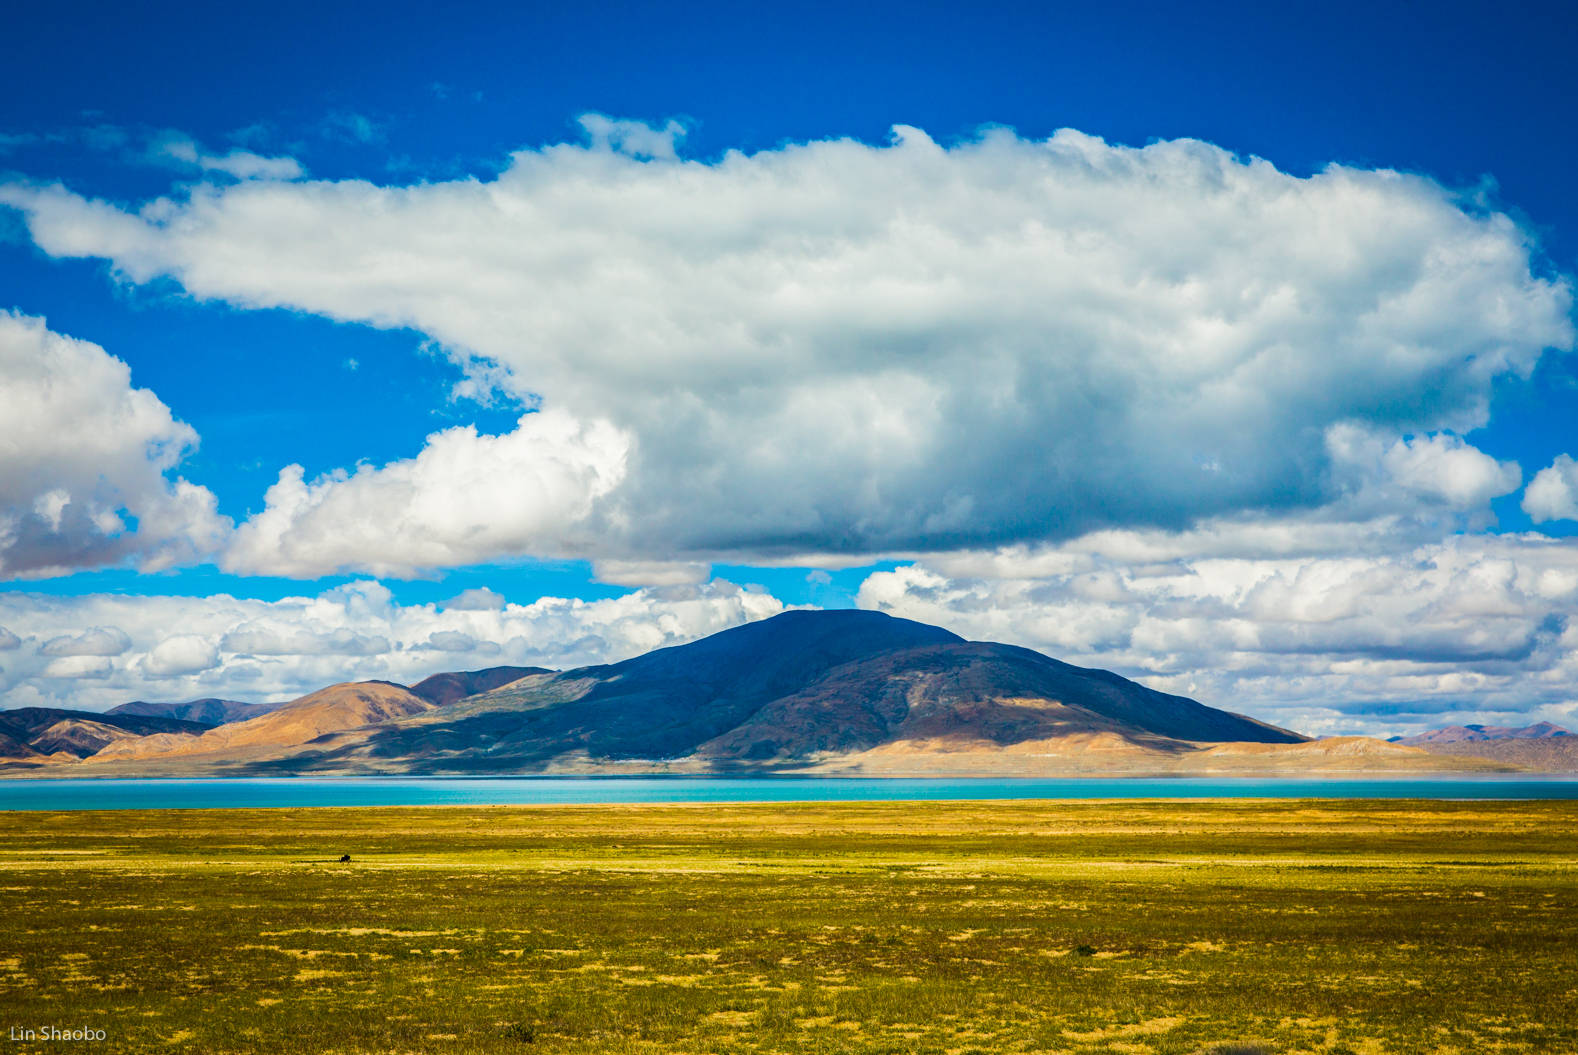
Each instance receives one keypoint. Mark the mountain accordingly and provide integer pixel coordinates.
(208, 711)
(32, 732)
(802, 689)
(443, 689)
(1543, 746)
(1000, 694)
(1457, 733)
(849, 692)
(351, 705)
(661, 705)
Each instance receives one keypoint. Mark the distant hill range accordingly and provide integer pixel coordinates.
(37, 732)
(824, 692)
(1453, 734)
(206, 711)
(1542, 746)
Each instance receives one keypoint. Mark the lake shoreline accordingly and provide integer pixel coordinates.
(354, 792)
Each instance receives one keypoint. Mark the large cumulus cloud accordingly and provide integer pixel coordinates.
(82, 454)
(841, 348)
(464, 499)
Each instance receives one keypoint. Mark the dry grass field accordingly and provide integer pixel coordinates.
(961, 928)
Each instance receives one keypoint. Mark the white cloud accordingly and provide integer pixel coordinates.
(634, 139)
(477, 599)
(182, 654)
(1436, 468)
(836, 348)
(73, 668)
(238, 164)
(1553, 493)
(466, 498)
(650, 573)
(99, 641)
(455, 641)
(1411, 637)
(272, 650)
(80, 451)
(352, 127)
(265, 637)
(8, 641)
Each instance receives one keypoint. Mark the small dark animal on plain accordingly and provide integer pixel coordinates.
(345, 859)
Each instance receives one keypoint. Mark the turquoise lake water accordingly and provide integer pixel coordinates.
(426, 791)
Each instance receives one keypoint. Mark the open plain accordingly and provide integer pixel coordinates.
(1359, 927)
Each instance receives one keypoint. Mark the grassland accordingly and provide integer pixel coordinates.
(1138, 927)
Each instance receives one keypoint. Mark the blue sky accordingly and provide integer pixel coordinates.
(1474, 99)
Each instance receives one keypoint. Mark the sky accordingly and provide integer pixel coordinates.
(1229, 347)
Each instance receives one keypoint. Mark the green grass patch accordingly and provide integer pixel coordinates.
(1173, 928)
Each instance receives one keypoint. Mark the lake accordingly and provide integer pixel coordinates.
(443, 791)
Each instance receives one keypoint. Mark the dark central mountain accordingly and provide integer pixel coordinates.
(797, 687)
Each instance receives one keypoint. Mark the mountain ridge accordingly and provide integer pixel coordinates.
(1473, 732)
(208, 710)
(848, 691)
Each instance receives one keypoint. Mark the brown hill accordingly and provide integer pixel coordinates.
(1110, 754)
(351, 705)
(27, 732)
(1552, 754)
(1456, 733)
(443, 689)
(75, 736)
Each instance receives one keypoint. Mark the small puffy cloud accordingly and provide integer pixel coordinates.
(81, 452)
(8, 640)
(1378, 473)
(182, 654)
(840, 348)
(466, 498)
(636, 139)
(238, 164)
(352, 127)
(99, 641)
(71, 668)
(272, 650)
(1446, 468)
(1553, 493)
(477, 599)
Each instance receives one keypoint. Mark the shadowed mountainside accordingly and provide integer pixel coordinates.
(443, 689)
(208, 711)
(973, 691)
(31, 732)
